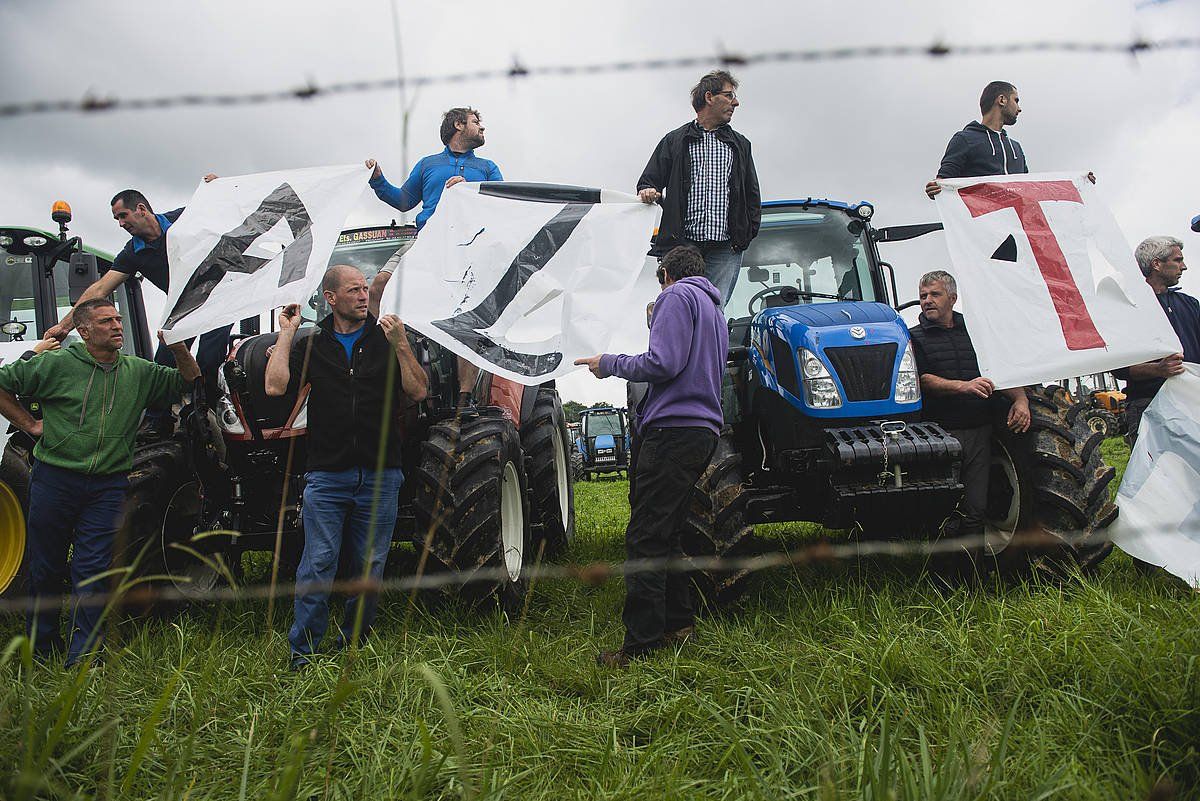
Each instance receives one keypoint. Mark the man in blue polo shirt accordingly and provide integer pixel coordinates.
(461, 133)
(145, 255)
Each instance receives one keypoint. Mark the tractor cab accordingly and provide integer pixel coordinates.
(603, 441)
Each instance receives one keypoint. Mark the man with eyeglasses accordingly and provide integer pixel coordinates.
(703, 175)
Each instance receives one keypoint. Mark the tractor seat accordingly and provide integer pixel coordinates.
(253, 354)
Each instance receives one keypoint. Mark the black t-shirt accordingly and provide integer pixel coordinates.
(948, 353)
(149, 260)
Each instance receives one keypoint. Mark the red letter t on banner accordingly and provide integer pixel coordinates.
(1025, 198)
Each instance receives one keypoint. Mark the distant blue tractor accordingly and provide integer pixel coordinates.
(822, 406)
(603, 442)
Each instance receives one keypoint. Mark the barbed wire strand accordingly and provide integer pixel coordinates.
(91, 103)
(589, 574)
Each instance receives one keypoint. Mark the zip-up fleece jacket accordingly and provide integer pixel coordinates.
(427, 180)
(978, 150)
(348, 397)
(670, 172)
(89, 414)
(689, 342)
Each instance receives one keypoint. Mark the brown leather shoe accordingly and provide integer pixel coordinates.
(680, 636)
(619, 659)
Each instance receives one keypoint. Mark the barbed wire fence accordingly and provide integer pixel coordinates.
(92, 103)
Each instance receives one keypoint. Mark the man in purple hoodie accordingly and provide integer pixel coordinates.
(678, 423)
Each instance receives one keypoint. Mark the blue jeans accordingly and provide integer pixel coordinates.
(68, 509)
(721, 265)
(361, 504)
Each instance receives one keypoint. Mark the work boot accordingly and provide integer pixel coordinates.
(680, 636)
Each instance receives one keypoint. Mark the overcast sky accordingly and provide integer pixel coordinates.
(850, 130)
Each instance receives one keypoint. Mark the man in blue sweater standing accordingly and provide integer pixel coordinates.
(678, 423)
(461, 133)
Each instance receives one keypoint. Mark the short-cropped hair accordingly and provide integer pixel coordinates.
(453, 117)
(85, 311)
(130, 198)
(712, 82)
(992, 91)
(940, 275)
(682, 262)
(1154, 247)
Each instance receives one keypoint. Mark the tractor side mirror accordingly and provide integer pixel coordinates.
(82, 274)
(759, 275)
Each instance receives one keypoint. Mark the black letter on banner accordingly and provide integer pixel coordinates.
(534, 256)
(229, 254)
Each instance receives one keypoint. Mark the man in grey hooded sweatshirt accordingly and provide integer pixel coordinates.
(678, 423)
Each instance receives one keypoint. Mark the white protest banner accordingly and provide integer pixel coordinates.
(518, 287)
(1046, 281)
(1159, 496)
(250, 243)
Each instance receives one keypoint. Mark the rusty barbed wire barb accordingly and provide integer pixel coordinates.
(517, 70)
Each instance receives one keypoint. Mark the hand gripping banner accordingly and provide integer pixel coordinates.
(1046, 281)
(251, 243)
(521, 279)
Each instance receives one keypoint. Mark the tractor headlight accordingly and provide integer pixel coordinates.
(820, 390)
(865, 210)
(226, 411)
(908, 384)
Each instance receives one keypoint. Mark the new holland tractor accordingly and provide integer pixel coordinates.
(822, 406)
(603, 442)
(487, 485)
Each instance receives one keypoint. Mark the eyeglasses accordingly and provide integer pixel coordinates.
(732, 95)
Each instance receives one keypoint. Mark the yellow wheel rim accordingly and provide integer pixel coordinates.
(12, 535)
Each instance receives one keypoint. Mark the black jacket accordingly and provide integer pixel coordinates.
(978, 150)
(669, 171)
(948, 353)
(1183, 311)
(347, 400)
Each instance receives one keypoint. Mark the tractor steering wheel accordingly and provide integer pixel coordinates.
(764, 294)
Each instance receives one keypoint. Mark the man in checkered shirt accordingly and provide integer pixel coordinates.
(703, 174)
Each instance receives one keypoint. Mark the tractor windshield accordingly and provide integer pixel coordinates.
(368, 249)
(803, 255)
(596, 425)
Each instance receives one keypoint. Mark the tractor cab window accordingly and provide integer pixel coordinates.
(802, 256)
(368, 250)
(596, 425)
(16, 294)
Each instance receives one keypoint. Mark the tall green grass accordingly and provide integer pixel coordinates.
(852, 680)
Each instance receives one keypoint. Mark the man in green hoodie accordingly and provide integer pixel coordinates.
(92, 397)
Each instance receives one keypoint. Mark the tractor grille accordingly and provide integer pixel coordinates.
(865, 370)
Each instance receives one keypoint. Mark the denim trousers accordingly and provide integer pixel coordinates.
(354, 509)
(80, 513)
(669, 462)
(721, 265)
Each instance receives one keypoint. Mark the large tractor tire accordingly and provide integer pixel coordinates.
(715, 526)
(472, 510)
(546, 443)
(577, 471)
(14, 505)
(162, 511)
(1102, 422)
(1048, 487)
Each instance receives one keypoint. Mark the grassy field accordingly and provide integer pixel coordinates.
(864, 680)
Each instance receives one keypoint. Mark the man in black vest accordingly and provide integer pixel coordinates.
(956, 396)
(352, 420)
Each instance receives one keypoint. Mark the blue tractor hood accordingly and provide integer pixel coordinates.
(605, 441)
(862, 347)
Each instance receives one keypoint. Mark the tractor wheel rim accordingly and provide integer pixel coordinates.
(998, 532)
(1097, 424)
(12, 536)
(560, 475)
(195, 577)
(512, 522)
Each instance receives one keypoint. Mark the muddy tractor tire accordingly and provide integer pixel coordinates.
(472, 511)
(546, 443)
(14, 507)
(715, 526)
(577, 471)
(1102, 422)
(1048, 498)
(161, 514)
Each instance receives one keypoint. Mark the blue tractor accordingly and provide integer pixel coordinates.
(822, 406)
(603, 442)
